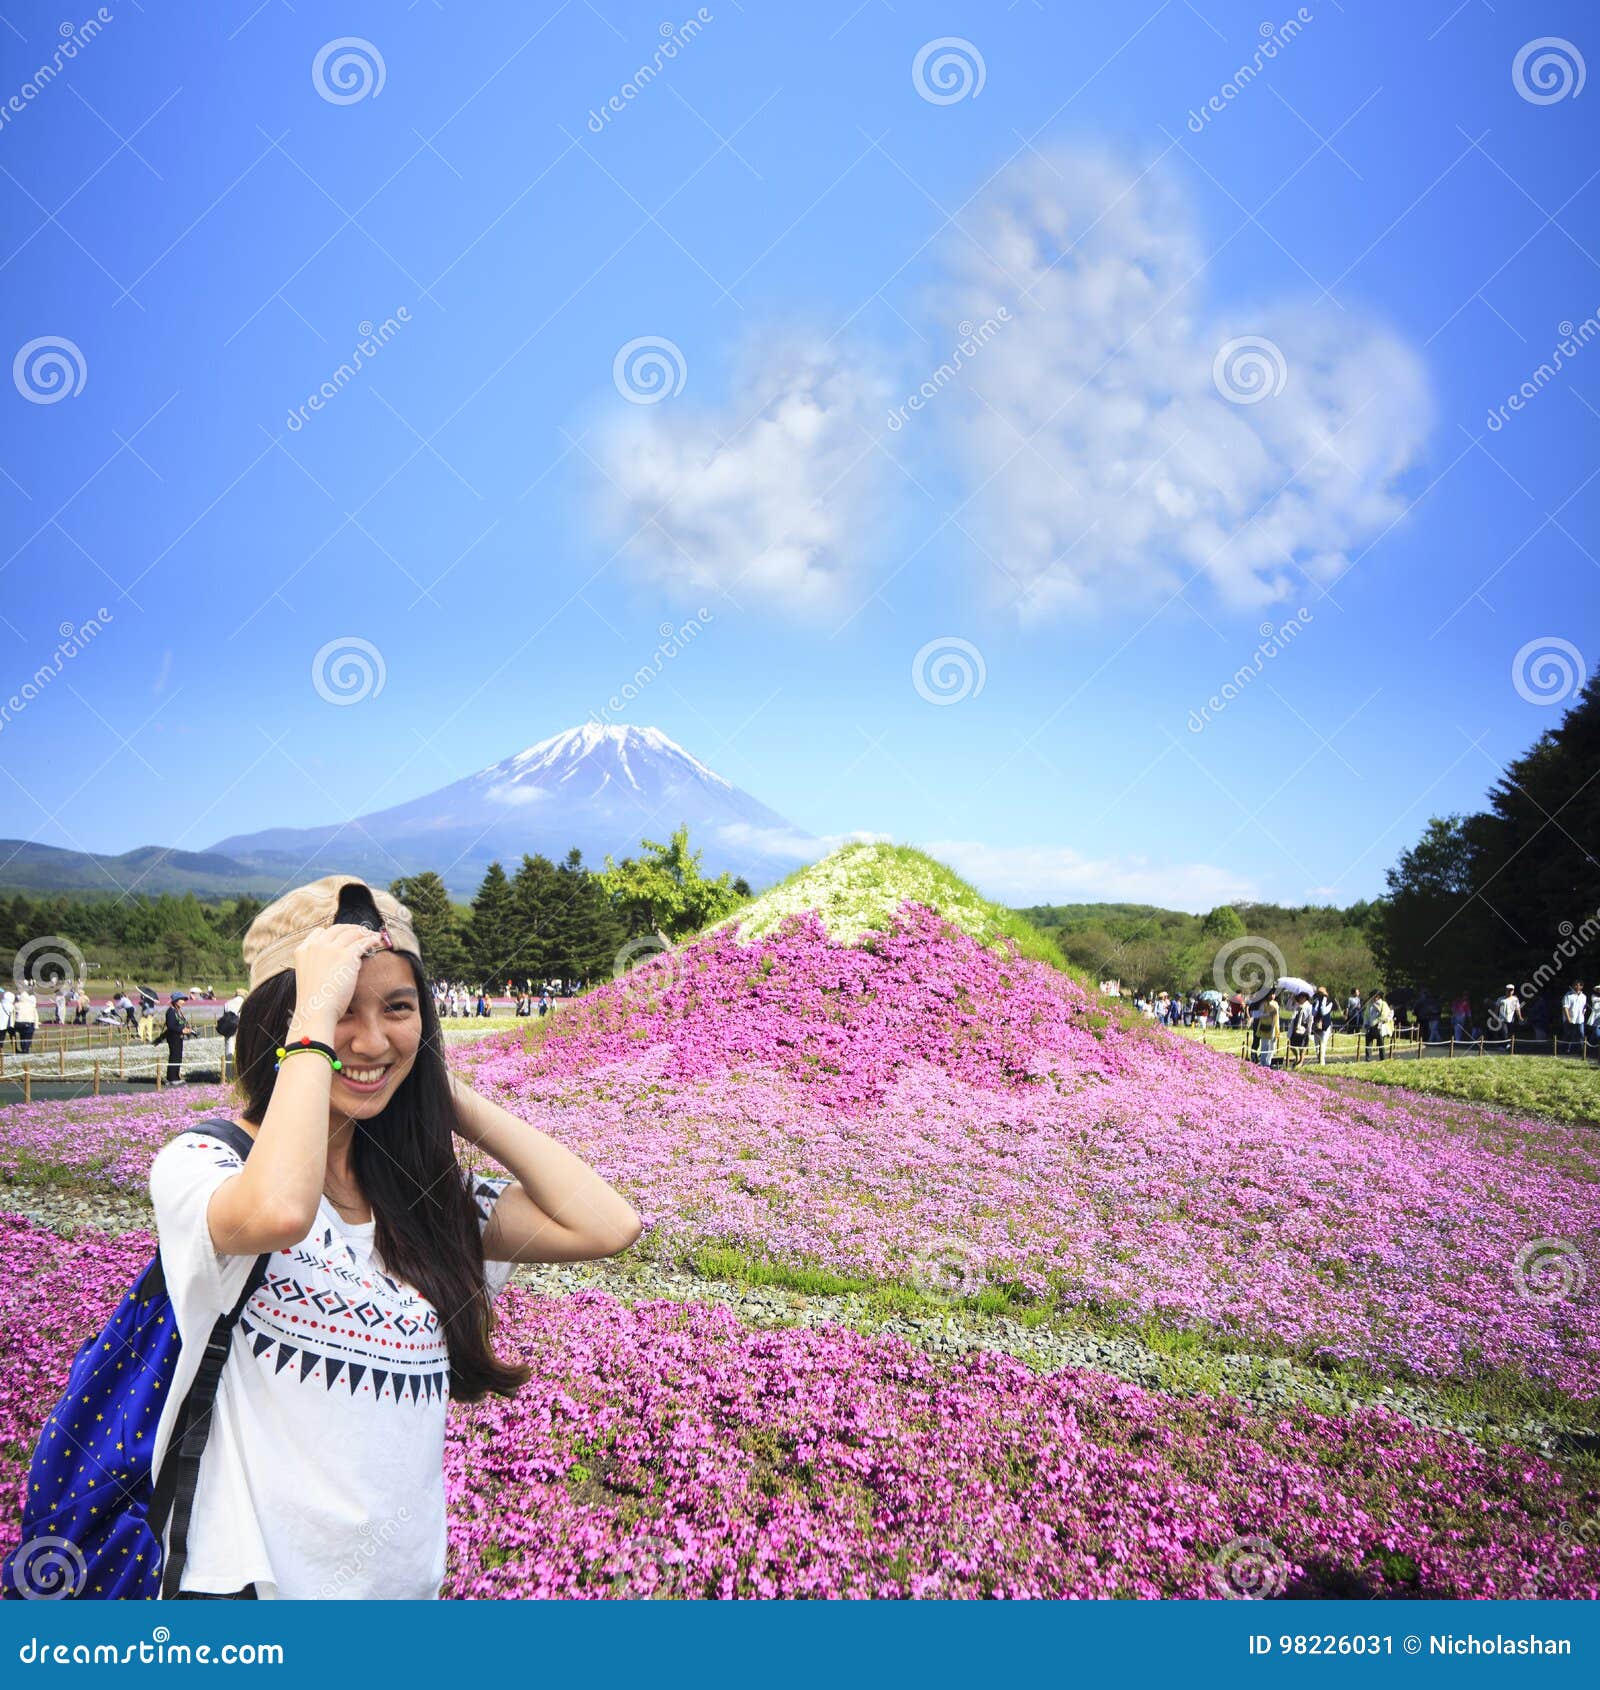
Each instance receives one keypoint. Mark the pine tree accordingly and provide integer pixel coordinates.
(491, 931)
(434, 920)
(533, 894)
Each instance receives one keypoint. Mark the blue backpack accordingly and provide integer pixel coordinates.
(95, 1512)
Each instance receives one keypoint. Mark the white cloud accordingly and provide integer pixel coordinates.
(766, 496)
(1047, 874)
(1111, 468)
(782, 842)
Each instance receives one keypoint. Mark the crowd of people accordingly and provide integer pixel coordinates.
(1305, 1020)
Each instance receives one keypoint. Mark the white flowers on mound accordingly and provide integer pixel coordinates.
(857, 890)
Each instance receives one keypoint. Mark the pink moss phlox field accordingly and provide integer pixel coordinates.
(863, 1109)
(669, 1450)
(108, 1141)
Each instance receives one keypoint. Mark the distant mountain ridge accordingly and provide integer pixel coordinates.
(148, 869)
(600, 788)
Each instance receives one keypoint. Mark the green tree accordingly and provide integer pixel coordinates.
(1223, 923)
(1428, 933)
(491, 939)
(444, 954)
(665, 893)
(534, 894)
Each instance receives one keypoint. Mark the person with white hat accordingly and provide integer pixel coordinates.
(374, 1256)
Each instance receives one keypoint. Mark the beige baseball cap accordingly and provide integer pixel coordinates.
(270, 943)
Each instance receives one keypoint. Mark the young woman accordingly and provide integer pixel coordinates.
(323, 1474)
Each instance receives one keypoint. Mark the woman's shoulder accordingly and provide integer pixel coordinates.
(196, 1146)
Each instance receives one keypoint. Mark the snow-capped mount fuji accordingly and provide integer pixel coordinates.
(598, 787)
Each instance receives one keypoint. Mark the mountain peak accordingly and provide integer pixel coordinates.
(608, 748)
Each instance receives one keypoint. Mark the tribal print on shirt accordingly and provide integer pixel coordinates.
(344, 1323)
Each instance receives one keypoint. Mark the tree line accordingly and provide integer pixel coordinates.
(1510, 893)
(1149, 949)
(544, 920)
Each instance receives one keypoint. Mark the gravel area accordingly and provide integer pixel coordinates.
(1263, 1380)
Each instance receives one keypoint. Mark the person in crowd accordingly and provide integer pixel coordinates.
(231, 1007)
(1574, 1016)
(177, 1024)
(544, 1005)
(26, 1013)
(1461, 1016)
(1379, 1023)
(1505, 1013)
(1427, 1017)
(1539, 1016)
(1594, 1018)
(1268, 1020)
(1353, 1011)
(8, 1024)
(1322, 1014)
(1300, 1029)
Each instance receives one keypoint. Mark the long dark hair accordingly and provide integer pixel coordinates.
(427, 1222)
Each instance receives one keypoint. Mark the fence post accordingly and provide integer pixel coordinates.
(122, 1053)
(27, 1083)
(61, 1059)
(97, 1076)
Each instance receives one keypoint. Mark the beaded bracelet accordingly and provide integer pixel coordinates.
(305, 1044)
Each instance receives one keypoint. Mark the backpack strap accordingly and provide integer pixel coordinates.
(175, 1485)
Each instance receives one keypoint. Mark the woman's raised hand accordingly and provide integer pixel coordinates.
(327, 963)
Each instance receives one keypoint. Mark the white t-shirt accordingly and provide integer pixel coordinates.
(323, 1475)
(1573, 1006)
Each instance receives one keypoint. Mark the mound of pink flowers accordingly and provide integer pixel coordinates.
(668, 1450)
(920, 1109)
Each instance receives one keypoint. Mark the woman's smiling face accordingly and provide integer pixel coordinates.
(377, 1037)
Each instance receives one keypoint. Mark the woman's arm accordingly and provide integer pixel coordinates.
(560, 1210)
(271, 1202)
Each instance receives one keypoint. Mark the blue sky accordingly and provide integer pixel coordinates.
(1228, 367)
